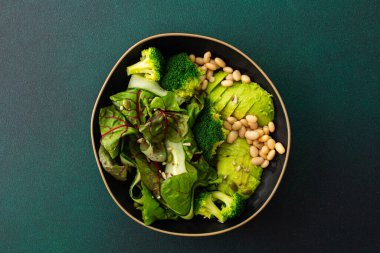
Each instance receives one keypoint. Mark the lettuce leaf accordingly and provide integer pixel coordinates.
(113, 126)
(133, 104)
(119, 172)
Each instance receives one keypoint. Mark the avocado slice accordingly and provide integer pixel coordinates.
(263, 108)
(227, 97)
(250, 97)
(218, 78)
(231, 105)
(216, 93)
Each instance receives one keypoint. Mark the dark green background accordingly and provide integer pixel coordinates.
(323, 56)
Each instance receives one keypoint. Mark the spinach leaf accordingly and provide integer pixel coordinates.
(110, 165)
(113, 126)
(152, 210)
(150, 174)
(177, 191)
(134, 104)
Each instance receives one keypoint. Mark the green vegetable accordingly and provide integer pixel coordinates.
(155, 152)
(150, 175)
(152, 210)
(113, 126)
(151, 64)
(140, 83)
(209, 132)
(136, 186)
(182, 76)
(165, 125)
(218, 77)
(134, 105)
(194, 107)
(177, 190)
(235, 167)
(110, 165)
(232, 206)
(206, 205)
(166, 103)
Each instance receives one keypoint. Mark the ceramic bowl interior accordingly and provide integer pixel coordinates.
(171, 44)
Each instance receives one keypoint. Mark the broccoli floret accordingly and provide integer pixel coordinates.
(208, 131)
(182, 76)
(151, 64)
(231, 206)
(205, 206)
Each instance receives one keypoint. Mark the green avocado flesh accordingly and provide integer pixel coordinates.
(252, 99)
(235, 167)
(218, 78)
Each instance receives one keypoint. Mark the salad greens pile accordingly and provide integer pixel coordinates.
(164, 132)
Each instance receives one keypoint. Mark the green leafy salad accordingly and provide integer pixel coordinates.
(186, 131)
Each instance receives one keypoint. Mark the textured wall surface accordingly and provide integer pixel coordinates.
(323, 56)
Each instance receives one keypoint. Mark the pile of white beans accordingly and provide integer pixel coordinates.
(263, 147)
(210, 65)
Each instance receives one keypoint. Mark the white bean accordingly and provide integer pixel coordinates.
(245, 79)
(227, 83)
(253, 125)
(242, 131)
(249, 141)
(207, 54)
(204, 84)
(199, 60)
(244, 122)
(252, 135)
(279, 148)
(264, 138)
(271, 143)
(271, 155)
(265, 164)
(271, 127)
(236, 74)
(251, 118)
(229, 77)
(257, 144)
(229, 70)
(253, 151)
(231, 119)
(192, 57)
(260, 131)
(257, 160)
(227, 125)
(209, 75)
(232, 136)
(264, 150)
(266, 130)
(236, 126)
(211, 66)
(220, 62)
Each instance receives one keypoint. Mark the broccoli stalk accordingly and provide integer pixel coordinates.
(205, 206)
(151, 64)
(231, 206)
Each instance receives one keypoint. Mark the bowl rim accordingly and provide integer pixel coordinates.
(264, 75)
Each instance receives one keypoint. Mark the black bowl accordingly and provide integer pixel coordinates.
(170, 44)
